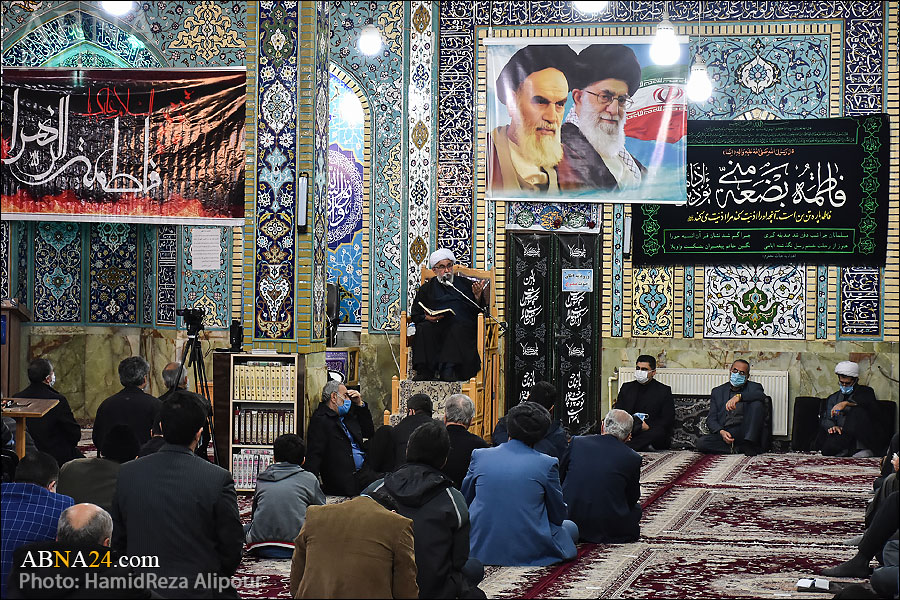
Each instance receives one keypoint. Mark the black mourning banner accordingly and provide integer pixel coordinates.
(575, 323)
(127, 145)
(808, 190)
(528, 301)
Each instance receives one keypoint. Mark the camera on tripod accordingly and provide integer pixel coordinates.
(193, 319)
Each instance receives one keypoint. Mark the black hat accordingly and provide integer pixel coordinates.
(532, 59)
(528, 422)
(606, 61)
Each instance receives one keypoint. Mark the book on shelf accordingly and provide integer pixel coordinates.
(438, 312)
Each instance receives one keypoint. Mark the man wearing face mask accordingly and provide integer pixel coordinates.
(651, 405)
(737, 413)
(849, 423)
(56, 433)
(131, 406)
(336, 441)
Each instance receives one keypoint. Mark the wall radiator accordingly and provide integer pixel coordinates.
(701, 381)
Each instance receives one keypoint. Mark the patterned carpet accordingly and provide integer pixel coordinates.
(713, 527)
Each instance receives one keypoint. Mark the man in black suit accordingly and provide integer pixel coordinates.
(418, 412)
(458, 413)
(131, 406)
(555, 441)
(650, 404)
(737, 414)
(181, 508)
(336, 441)
(56, 433)
(601, 482)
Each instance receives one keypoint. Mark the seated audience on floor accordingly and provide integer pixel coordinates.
(887, 466)
(555, 441)
(601, 482)
(516, 506)
(444, 346)
(650, 404)
(29, 507)
(179, 385)
(355, 549)
(418, 412)
(420, 491)
(283, 493)
(459, 410)
(56, 433)
(336, 441)
(155, 442)
(180, 508)
(93, 480)
(737, 415)
(131, 405)
(850, 423)
(83, 530)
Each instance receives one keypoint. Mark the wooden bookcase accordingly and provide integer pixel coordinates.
(257, 398)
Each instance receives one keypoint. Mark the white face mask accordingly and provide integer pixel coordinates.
(52, 379)
(641, 376)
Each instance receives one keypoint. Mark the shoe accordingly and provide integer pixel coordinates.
(864, 453)
(750, 449)
(842, 454)
(854, 568)
(854, 541)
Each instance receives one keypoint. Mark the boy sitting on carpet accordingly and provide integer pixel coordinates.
(283, 493)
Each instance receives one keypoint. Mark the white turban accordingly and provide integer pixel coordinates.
(439, 255)
(847, 368)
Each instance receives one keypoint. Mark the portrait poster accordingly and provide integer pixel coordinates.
(584, 119)
(123, 145)
(776, 192)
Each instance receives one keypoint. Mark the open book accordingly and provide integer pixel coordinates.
(435, 313)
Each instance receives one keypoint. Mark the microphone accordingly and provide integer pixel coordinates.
(445, 279)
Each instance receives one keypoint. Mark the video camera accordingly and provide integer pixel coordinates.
(193, 319)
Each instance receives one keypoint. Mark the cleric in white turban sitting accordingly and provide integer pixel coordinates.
(850, 425)
(444, 344)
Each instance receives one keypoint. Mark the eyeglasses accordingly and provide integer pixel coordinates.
(606, 98)
(739, 372)
(440, 267)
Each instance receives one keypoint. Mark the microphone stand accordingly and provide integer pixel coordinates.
(482, 309)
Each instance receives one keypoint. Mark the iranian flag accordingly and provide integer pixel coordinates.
(658, 112)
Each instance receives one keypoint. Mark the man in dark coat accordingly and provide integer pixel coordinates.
(555, 441)
(418, 412)
(737, 414)
(593, 136)
(419, 491)
(445, 344)
(180, 508)
(458, 413)
(131, 406)
(650, 404)
(336, 441)
(601, 483)
(93, 480)
(850, 423)
(56, 433)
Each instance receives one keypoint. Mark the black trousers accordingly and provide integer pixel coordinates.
(750, 431)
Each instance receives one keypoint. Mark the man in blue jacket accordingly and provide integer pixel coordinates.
(737, 414)
(515, 501)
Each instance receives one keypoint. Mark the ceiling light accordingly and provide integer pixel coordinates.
(699, 87)
(665, 49)
(369, 40)
(117, 7)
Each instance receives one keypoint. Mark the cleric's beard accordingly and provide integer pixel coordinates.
(607, 138)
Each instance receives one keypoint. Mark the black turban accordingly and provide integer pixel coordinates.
(532, 59)
(606, 61)
(528, 422)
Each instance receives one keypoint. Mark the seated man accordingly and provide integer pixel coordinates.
(355, 549)
(336, 438)
(82, 528)
(33, 494)
(515, 501)
(651, 406)
(418, 412)
(555, 441)
(93, 480)
(850, 423)
(458, 413)
(56, 433)
(131, 406)
(601, 482)
(179, 385)
(737, 414)
(444, 344)
(283, 493)
(419, 491)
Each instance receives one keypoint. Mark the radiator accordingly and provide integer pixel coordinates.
(702, 381)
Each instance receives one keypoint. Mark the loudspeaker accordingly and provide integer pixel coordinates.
(237, 335)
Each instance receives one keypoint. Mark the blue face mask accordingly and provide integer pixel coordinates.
(737, 380)
(846, 389)
(344, 408)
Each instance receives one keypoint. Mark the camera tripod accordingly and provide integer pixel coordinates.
(192, 350)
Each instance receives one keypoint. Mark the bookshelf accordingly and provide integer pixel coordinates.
(257, 398)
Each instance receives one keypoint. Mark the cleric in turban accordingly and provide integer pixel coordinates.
(850, 423)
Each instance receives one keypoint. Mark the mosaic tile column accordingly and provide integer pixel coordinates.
(320, 175)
